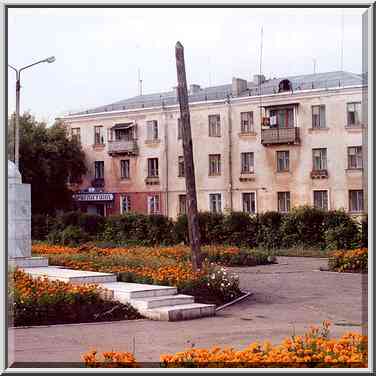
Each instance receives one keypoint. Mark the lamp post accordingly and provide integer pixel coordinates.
(50, 59)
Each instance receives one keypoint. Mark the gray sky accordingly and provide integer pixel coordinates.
(98, 51)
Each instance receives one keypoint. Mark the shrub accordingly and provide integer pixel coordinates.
(211, 227)
(92, 224)
(340, 230)
(181, 229)
(303, 226)
(364, 233)
(233, 256)
(354, 261)
(71, 235)
(223, 284)
(269, 230)
(40, 226)
(240, 229)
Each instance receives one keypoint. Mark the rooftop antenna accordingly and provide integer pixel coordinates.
(314, 66)
(139, 82)
(342, 34)
(259, 80)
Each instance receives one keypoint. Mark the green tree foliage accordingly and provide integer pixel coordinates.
(48, 160)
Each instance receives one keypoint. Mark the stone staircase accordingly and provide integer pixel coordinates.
(152, 301)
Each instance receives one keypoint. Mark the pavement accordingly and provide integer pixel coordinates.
(287, 299)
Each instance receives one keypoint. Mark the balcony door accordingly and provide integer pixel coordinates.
(282, 118)
(124, 134)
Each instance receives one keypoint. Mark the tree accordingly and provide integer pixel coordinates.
(48, 160)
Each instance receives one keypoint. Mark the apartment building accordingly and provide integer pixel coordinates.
(269, 144)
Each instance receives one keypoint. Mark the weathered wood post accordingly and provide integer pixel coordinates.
(190, 183)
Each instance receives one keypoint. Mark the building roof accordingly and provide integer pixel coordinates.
(270, 86)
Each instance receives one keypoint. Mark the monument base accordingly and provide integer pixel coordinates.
(28, 262)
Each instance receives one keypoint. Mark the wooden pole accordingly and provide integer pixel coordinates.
(192, 214)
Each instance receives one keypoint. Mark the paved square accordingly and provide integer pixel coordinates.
(288, 298)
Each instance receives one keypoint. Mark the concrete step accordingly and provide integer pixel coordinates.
(179, 312)
(161, 301)
(70, 275)
(125, 291)
(28, 262)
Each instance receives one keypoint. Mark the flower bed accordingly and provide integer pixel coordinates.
(163, 266)
(314, 349)
(354, 261)
(40, 301)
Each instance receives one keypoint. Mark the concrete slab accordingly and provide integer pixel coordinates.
(124, 291)
(180, 312)
(70, 275)
(160, 301)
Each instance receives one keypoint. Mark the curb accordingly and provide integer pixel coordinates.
(247, 294)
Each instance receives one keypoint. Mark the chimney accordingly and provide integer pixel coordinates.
(193, 89)
(175, 90)
(238, 86)
(258, 79)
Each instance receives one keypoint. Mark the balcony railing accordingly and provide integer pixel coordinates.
(274, 136)
(123, 147)
(319, 174)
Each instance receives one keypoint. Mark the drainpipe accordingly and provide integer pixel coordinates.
(229, 117)
(166, 160)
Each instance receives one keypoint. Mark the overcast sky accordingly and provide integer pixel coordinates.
(99, 51)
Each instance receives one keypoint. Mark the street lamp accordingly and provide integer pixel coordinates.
(50, 59)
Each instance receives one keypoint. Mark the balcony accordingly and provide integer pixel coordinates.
(277, 136)
(121, 147)
(152, 180)
(97, 183)
(319, 174)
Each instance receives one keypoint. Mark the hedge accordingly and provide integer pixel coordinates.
(301, 227)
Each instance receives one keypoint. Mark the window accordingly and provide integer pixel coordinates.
(76, 133)
(214, 126)
(356, 201)
(98, 135)
(319, 159)
(125, 204)
(249, 202)
(181, 172)
(353, 114)
(153, 204)
(99, 169)
(320, 200)
(247, 163)
(180, 130)
(182, 204)
(283, 202)
(124, 134)
(283, 161)
(246, 122)
(355, 157)
(124, 169)
(318, 116)
(214, 164)
(215, 202)
(282, 118)
(152, 130)
(153, 168)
